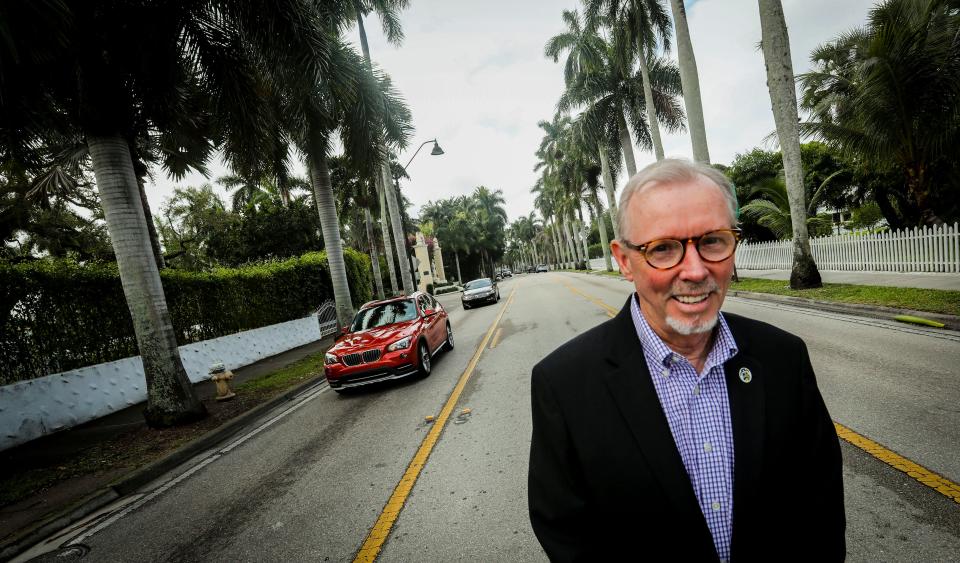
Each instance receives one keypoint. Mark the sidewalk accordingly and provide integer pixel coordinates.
(922, 280)
(49, 451)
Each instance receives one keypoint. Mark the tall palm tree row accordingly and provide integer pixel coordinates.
(473, 224)
(601, 83)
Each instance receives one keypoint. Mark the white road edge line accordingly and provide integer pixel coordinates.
(203, 463)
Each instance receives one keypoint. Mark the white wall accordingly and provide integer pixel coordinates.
(36, 407)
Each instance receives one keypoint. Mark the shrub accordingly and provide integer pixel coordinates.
(57, 315)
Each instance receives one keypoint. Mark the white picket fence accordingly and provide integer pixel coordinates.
(924, 249)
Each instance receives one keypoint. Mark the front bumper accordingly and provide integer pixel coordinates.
(492, 298)
(367, 375)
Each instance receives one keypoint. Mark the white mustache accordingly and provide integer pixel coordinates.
(684, 288)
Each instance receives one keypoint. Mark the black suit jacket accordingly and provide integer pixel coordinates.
(606, 479)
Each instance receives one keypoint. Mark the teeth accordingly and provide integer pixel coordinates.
(690, 299)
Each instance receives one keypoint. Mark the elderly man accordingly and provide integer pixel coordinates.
(674, 432)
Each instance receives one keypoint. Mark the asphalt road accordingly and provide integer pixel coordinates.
(311, 479)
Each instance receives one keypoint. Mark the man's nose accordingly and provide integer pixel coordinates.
(692, 267)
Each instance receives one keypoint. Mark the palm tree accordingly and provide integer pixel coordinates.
(770, 205)
(387, 10)
(637, 27)
(491, 218)
(373, 115)
(776, 54)
(885, 95)
(690, 79)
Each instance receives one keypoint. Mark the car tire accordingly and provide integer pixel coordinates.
(424, 362)
(465, 306)
(498, 295)
(449, 337)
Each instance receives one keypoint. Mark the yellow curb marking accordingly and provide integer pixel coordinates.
(381, 529)
(912, 469)
(916, 471)
(496, 338)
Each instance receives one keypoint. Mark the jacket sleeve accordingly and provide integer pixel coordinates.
(826, 518)
(555, 490)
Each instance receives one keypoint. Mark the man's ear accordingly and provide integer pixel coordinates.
(620, 253)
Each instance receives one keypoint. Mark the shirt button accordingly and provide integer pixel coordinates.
(707, 447)
(665, 372)
(696, 389)
(715, 505)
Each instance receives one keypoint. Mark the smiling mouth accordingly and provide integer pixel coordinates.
(691, 299)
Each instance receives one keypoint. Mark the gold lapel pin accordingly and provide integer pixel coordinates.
(745, 375)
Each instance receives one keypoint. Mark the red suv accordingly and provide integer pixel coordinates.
(388, 339)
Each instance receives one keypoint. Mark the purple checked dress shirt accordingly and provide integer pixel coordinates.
(698, 413)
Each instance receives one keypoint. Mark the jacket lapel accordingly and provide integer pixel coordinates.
(747, 412)
(636, 398)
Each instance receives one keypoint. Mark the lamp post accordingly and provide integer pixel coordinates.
(399, 236)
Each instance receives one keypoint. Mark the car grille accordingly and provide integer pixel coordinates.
(358, 358)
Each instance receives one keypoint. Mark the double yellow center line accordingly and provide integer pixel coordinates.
(381, 529)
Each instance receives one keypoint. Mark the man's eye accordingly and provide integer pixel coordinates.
(661, 248)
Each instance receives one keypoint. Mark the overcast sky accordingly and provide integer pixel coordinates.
(475, 78)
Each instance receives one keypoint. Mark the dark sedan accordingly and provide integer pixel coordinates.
(476, 292)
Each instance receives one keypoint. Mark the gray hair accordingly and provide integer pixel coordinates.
(671, 171)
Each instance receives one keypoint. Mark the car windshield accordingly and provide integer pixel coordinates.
(477, 284)
(382, 315)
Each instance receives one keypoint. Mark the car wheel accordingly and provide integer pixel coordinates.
(465, 306)
(424, 363)
(498, 295)
(449, 337)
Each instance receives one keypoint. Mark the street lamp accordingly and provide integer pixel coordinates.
(436, 151)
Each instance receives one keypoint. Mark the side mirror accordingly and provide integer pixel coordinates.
(344, 329)
(429, 313)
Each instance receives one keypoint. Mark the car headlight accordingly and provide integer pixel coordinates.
(401, 344)
(329, 358)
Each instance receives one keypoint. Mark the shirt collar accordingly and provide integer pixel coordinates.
(724, 346)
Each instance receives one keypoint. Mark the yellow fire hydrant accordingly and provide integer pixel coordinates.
(220, 375)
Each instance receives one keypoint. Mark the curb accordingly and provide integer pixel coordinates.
(35, 533)
(951, 322)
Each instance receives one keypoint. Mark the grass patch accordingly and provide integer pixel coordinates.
(931, 300)
(613, 274)
(299, 371)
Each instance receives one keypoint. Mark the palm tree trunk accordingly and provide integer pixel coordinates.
(151, 227)
(783, 97)
(571, 248)
(330, 227)
(385, 234)
(690, 82)
(374, 255)
(609, 186)
(652, 122)
(604, 241)
(574, 255)
(558, 247)
(171, 399)
(558, 233)
(626, 145)
(456, 258)
(583, 237)
(399, 239)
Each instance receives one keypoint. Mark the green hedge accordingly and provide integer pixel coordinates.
(57, 315)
